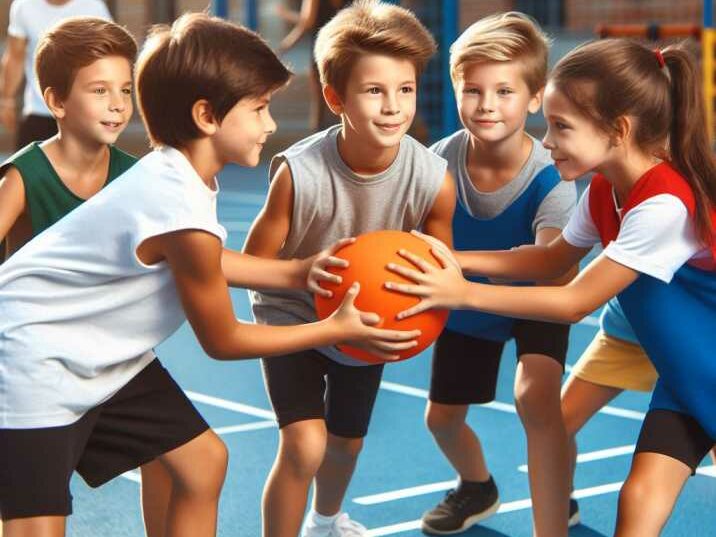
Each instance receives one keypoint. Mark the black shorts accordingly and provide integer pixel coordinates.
(465, 368)
(675, 435)
(308, 385)
(34, 128)
(149, 416)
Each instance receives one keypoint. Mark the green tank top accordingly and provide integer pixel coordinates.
(48, 199)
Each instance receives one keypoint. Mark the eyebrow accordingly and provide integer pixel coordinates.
(375, 83)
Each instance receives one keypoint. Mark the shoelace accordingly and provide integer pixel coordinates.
(349, 528)
(456, 500)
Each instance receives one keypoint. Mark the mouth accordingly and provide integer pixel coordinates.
(486, 122)
(390, 127)
(112, 124)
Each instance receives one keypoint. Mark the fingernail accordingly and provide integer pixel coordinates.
(391, 266)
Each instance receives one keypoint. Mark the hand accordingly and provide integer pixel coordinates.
(357, 326)
(438, 287)
(318, 265)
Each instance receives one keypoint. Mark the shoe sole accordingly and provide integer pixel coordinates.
(574, 520)
(469, 521)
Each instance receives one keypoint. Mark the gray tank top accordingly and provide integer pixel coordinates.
(330, 202)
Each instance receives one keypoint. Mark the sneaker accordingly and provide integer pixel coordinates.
(461, 509)
(573, 513)
(342, 526)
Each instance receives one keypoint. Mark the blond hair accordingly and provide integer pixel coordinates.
(370, 27)
(503, 37)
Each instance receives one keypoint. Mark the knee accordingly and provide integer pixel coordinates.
(445, 421)
(344, 450)
(207, 469)
(537, 407)
(302, 449)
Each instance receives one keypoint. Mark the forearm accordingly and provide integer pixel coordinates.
(256, 340)
(526, 263)
(244, 270)
(558, 304)
(11, 75)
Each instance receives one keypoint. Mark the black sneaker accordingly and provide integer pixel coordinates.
(573, 513)
(462, 507)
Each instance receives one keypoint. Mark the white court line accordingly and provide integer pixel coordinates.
(255, 426)
(503, 407)
(230, 405)
(504, 508)
(404, 493)
(709, 471)
(597, 455)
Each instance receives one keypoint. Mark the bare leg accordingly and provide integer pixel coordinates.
(649, 494)
(197, 470)
(457, 440)
(300, 455)
(537, 385)
(334, 475)
(42, 526)
(156, 494)
(581, 399)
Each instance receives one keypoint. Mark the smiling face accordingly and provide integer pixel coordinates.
(493, 100)
(576, 144)
(379, 101)
(242, 133)
(99, 103)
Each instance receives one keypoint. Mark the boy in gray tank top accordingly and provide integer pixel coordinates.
(362, 175)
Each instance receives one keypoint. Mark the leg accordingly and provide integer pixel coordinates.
(457, 440)
(581, 399)
(156, 493)
(41, 526)
(300, 454)
(649, 494)
(335, 473)
(197, 470)
(537, 384)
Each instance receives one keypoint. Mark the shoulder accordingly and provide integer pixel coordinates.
(417, 151)
(20, 10)
(96, 7)
(662, 179)
(449, 144)
(123, 160)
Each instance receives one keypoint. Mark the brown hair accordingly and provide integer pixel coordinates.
(614, 78)
(503, 37)
(370, 27)
(76, 43)
(200, 57)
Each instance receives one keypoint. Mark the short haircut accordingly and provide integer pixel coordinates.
(370, 27)
(503, 37)
(76, 43)
(200, 57)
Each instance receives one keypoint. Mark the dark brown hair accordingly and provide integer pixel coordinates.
(370, 27)
(76, 43)
(200, 57)
(614, 78)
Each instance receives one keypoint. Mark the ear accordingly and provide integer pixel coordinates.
(203, 116)
(623, 128)
(333, 100)
(54, 103)
(535, 102)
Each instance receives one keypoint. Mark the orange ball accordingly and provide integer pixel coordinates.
(368, 257)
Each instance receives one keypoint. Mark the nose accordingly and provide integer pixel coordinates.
(390, 105)
(117, 102)
(269, 123)
(547, 140)
(486, 103)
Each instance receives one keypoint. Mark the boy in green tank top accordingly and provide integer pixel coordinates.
(84, 68)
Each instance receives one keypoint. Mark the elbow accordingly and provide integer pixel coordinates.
(575, 314)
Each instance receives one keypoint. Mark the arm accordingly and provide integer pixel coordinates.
(306, 21)
(600, 281)
(543, 238)
(194, 258)
(11, 75)
(12, 201)
(438, 223)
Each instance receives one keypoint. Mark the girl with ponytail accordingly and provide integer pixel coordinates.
(635, 118)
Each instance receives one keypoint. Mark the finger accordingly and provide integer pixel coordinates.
(397, 346)
(394, 335)
(407, 289)
(386, 357)
(318, 290)
(406, 272)
(323, 275)
(351, 295)
(340, 244)
(420, 307)
(415, 260)
(336, 262)
(369, 318)
(445, 259)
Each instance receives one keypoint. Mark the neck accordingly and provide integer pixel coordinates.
(57, 2)
(502, 155)
(362, 158)
(201, 156)
(625, 172)
(77, 153)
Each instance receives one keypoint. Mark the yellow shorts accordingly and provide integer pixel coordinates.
(613, 362)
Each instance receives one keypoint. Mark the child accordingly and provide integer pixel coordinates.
(362, 175)
(611, 106)
(509, 194)
(122, 272)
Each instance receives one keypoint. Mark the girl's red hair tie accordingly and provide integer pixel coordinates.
(659, 58)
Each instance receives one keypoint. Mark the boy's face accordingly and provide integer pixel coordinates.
(378, 105)
(576, 144)
(493, 100)
(99, 104)
(243, 131)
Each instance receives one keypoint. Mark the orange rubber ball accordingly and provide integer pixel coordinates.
(368, 257)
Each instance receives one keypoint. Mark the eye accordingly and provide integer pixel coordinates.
(127, 91)
(373, 91)
(471, 91)
(99, 91)
(560, 126)
(407, 89)
(504, 91)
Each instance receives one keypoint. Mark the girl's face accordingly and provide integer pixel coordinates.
(576, 144)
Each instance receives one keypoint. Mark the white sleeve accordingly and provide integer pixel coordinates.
(16, 27)
(557, 207)
(656, 238)
(103, 11)
(581, 231)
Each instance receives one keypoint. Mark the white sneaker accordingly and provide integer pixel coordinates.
(342, 526)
